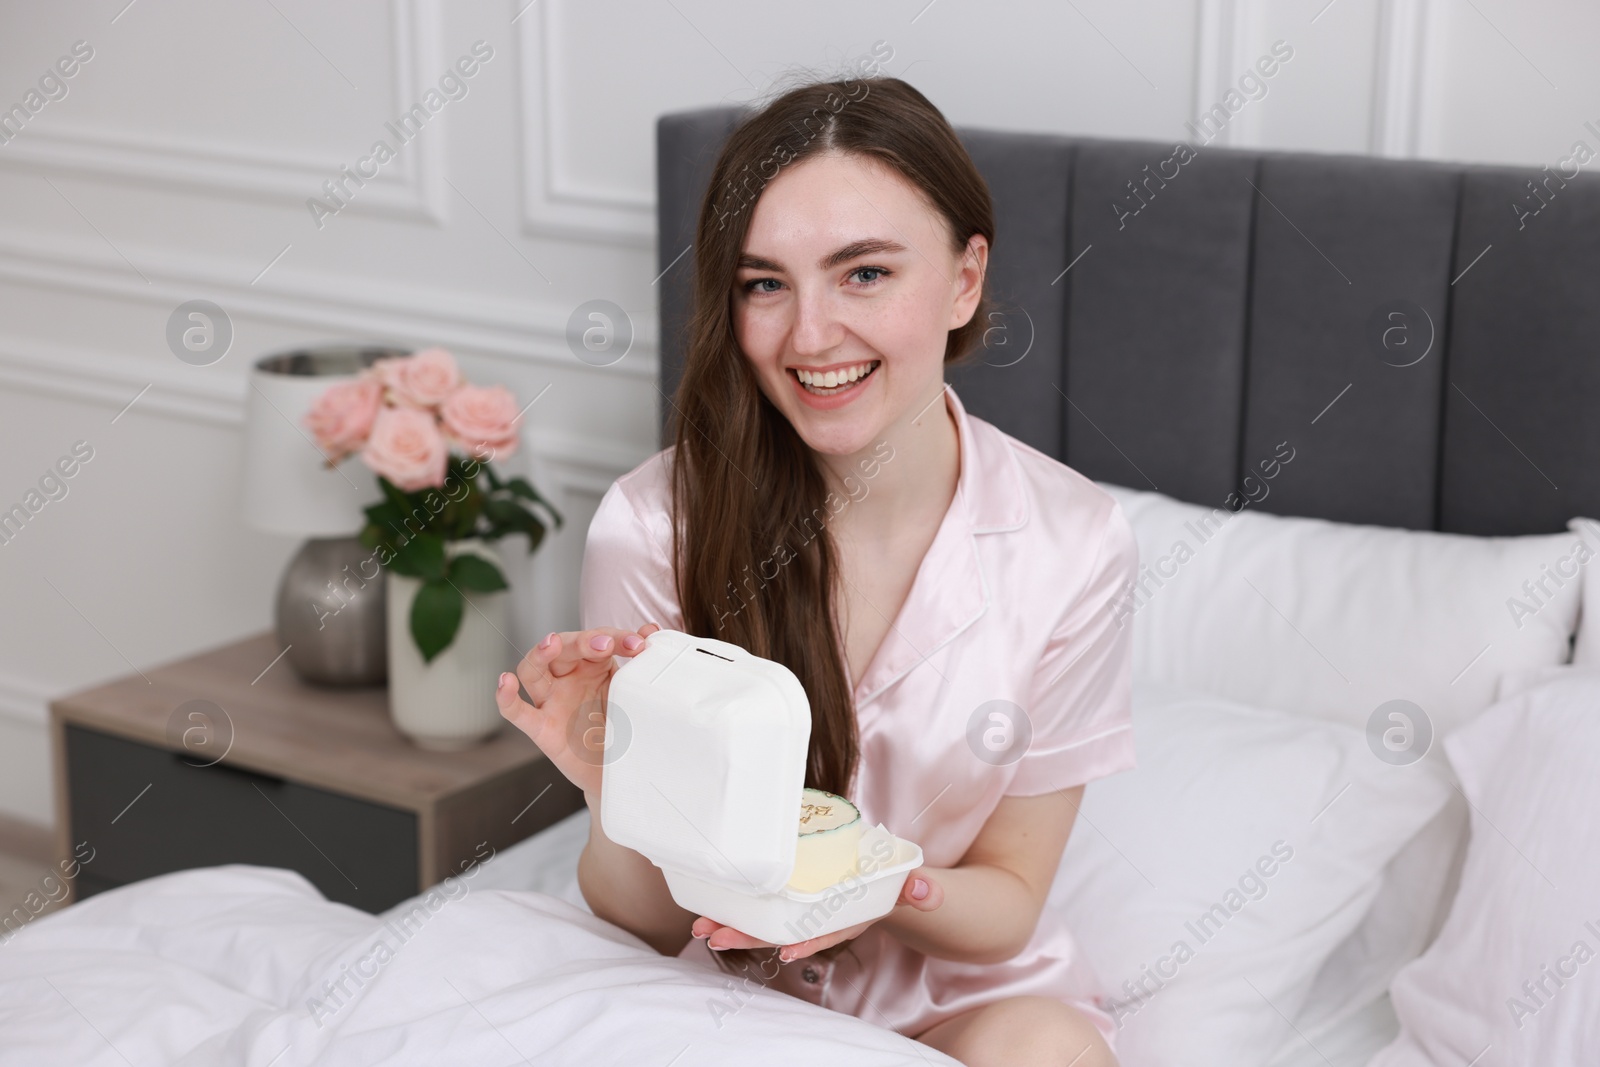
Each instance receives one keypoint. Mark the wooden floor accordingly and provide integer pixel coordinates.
(25, 862)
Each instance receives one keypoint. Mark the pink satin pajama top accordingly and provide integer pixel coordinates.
(1005, 673)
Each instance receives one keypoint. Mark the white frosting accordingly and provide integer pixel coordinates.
(830, 829)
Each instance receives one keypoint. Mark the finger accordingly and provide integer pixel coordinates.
(647, 629)
(921, 891)
(790, 953)
(566, 655)
(524, 716)
(727, 937)
(560, 653)
(801, 949)
(509, 699)
(586, 646)
(533, 670)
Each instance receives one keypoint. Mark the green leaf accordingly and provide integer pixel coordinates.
(476, 573)
(422, 557)
(510, 514)
(511, 517)
(435, 617)
(401, 563)
(382, 513)
(467, 513)
(523, 488)
(394, 495)
(500, 509)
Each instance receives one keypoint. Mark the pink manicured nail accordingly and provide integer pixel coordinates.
(919, 889)
(600, 642)
(549, 639)
(632, 641)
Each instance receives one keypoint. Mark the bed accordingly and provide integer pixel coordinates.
(1348, 406)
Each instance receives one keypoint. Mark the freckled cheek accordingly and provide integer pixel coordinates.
(760, 336)
(899, 330)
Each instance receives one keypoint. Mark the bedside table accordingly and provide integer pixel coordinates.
(315, 779)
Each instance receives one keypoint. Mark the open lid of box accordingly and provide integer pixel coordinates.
(705, 760)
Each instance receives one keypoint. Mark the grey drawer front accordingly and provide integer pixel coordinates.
(355, 852)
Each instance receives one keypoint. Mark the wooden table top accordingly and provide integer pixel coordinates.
(337, 739)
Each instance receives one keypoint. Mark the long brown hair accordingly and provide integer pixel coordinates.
(755, 561)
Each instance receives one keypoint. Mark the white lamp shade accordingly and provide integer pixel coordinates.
(288, 489)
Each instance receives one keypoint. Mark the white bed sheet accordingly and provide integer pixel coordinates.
(251, 966)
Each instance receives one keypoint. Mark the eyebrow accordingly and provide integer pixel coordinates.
(853, 250)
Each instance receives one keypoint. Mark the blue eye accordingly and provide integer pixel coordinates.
(873, 274)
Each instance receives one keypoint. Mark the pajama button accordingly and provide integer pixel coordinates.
(809, 974)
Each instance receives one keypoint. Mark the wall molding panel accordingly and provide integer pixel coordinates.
(1225, 32)
(115, 380)
(412, 188)
(1401, 72)
(575, 473)
(583, 463)
(553, 203)
(25, 700)
(522, 331)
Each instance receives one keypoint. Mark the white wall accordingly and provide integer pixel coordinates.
(179, 163)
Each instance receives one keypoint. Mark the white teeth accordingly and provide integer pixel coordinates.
(835, 378)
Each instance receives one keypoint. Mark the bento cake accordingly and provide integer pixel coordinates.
(830, 829)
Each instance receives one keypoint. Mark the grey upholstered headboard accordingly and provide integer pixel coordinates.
(1244, 304)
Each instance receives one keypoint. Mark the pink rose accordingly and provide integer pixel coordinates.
(481, 418)
(406, 447)
(341, 417)
(421, 380)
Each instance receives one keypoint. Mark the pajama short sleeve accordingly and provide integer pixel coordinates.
(1080, 705)
(627, 574)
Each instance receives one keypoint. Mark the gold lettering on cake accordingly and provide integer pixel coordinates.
(821, 811)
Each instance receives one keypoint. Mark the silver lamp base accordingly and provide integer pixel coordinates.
(331, 614)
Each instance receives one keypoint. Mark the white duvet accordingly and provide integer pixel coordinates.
(251, 966)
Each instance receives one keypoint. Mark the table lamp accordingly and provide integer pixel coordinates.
(330, 603)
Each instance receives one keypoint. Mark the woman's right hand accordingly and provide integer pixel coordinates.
(567, 676)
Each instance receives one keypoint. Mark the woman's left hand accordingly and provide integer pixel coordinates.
(917, 882)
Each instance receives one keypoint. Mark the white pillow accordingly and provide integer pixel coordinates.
(1333, 619)
(1208, 886)
(1586, 647)
(1529, 902)
(1413, 899)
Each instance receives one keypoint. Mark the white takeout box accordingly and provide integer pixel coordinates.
(705, 758)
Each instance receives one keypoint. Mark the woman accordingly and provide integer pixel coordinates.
(945, 593)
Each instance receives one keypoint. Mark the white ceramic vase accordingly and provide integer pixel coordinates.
(448, 704)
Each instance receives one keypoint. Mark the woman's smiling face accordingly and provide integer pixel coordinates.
(847, 268)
